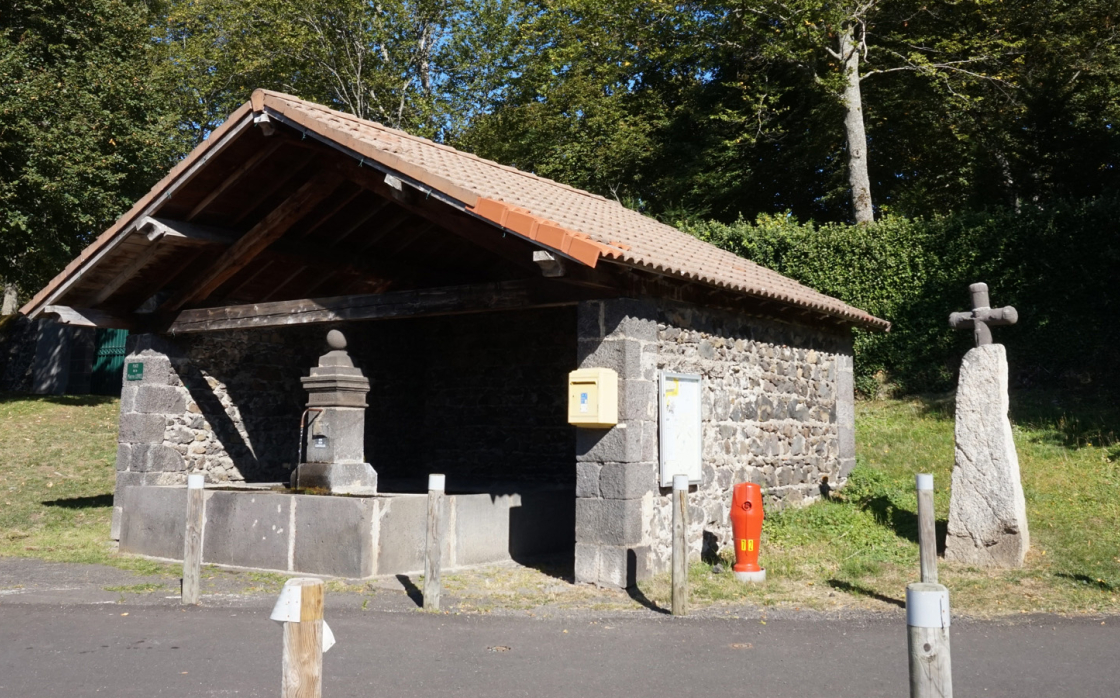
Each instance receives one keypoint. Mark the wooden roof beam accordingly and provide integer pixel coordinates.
(263, 234)
(132, 269)
(304, 253)
(507, 295)
(276, 185)
(158, 230)
(87, 317)
(358, 191)
(182, 231)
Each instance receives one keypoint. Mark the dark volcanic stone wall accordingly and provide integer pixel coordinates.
(478, 397)
(776, 409)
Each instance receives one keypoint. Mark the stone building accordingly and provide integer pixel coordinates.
(468, 292)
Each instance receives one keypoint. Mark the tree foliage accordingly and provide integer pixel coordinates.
(1056, 264)
(715, 109)
(600, 87)
(85, 127)
(425, 66)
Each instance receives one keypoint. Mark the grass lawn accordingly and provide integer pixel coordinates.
(57, 470)
(859, 550)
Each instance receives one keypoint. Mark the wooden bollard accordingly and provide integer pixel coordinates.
(927, 530)
(306, 637)
(680, 545)
(192, 540)
(927, 626)
(433, 556)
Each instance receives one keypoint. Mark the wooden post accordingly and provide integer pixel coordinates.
(927, 531)
(303, 639)
(192, 540)
(927, 625)
(433, 557)
(680, 545)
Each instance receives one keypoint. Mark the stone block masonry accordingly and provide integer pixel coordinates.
(226, 404)
(777, 409)
(356, 536)
(616, 469)
(480, 398)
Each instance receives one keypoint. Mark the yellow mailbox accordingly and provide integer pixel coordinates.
(593, 397)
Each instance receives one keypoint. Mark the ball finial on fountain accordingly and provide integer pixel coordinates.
(336, 340)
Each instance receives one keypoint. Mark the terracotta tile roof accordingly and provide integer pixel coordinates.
(582, 225)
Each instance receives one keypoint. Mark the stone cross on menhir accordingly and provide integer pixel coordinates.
(982, 316)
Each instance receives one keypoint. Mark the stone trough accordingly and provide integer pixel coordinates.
(265, 527)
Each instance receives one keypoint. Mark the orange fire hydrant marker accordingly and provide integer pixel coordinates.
(746, 528)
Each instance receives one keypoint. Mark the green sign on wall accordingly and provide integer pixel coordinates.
(134, 371)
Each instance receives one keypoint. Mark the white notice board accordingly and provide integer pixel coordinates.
(679, 436)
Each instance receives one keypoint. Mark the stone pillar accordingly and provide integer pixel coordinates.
(143, 457)
(987, 511)
(616, 469)
(334, 438)
(846, 413)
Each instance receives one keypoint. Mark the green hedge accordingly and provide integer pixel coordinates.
(1059, 266)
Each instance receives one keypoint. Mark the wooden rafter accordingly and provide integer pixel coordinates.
(299, 253)
(158, 231)
(262, 268)
(263, 234)
(386, 228)
(234, 177)
(113, 285)
(358, 191)
(181, 231)
(409, 239)
(282, 283)
(451, 220)
(185, 260)
(362, 220)
(276, 185)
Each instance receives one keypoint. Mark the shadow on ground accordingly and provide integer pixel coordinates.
(412, 590)
(95, 502)
(560, 566)
(1087, 580)
(903, 521)
(635, 593)
(858, 590)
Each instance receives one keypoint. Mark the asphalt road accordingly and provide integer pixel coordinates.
(120, 650)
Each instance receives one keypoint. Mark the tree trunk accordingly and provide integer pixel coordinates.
(11, 300)
(853, 125)
(1008, 180)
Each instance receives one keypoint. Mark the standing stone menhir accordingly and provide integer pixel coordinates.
(987, 511)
